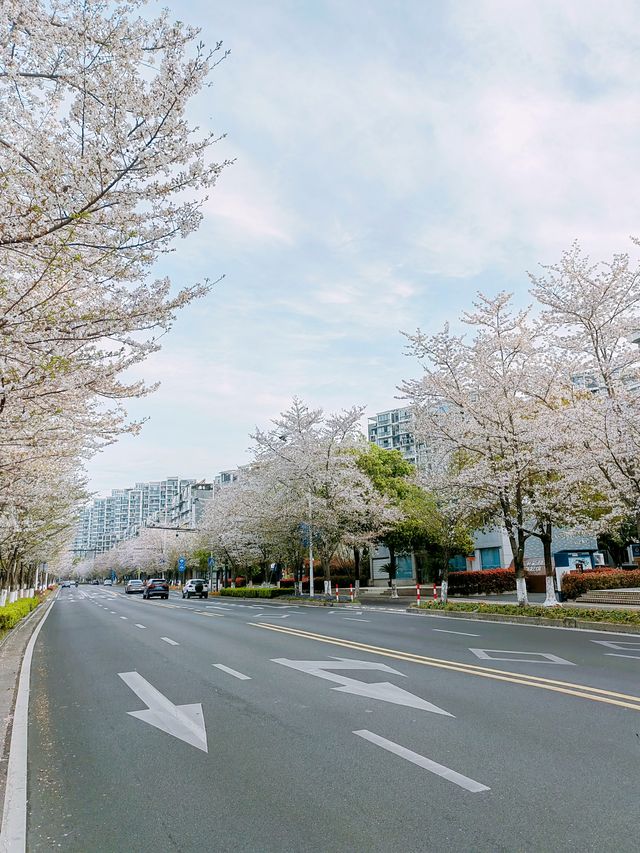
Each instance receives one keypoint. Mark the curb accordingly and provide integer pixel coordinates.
(566, 622)
(12, 650)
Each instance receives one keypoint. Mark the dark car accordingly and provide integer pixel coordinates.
(134, 586)
(156, 586)
(95, 582)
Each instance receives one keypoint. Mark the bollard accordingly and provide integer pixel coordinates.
(337, 593)
(418, 593)
(435, 590)
(351, 592)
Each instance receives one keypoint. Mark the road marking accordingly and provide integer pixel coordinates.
(273, 615)
(113, 612)
(382, 690)
(614, 655)
(582, 691)
(184, 722)
(13, 834)
(351, 619)
(462, 633)
(426, 763)
(233, 672)
(124, 617)
(620, 646)
(543, 657)
(140, 626)
(170, 641)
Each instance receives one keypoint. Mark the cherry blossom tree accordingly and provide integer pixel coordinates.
(592, 316)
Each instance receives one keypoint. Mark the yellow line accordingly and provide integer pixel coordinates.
(583, 691)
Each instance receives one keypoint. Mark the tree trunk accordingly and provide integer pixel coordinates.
(550, 600)
(517, 540)
(392, 564)
(444, 587)
(356, 565)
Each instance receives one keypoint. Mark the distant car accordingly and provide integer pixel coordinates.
(156, 586)
(195, 586)
(107, 582)
(95, 583)
(134, 586)
(65, 584)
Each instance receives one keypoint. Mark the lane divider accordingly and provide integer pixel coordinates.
(582, 691)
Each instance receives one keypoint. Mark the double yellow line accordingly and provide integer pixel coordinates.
(582, 691)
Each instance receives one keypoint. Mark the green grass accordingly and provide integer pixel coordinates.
(622, 617)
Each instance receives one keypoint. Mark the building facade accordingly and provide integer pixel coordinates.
(392, 430)
(106, 521)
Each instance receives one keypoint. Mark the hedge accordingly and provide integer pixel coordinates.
(254, 592)
(623, 617)
(11, 614)
(491, 581)
(577, 583)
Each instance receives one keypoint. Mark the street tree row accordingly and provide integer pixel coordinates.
(100, 172)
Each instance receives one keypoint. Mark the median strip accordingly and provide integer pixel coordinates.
(582, 691)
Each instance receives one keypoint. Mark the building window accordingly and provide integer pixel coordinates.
(490, 558)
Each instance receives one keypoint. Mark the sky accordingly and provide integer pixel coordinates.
(391, 159)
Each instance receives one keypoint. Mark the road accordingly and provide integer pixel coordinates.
(264, 727)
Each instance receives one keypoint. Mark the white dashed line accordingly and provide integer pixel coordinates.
(140, 626)
(462, 633)
(170, 641)
(351, 619)
(233, 672)
(123, 617)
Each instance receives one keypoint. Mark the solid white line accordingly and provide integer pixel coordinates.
(426, 763)
(170, 641)
(233, 672)
(462, 633)
(13, 837)
(140, 626)
(351, 619)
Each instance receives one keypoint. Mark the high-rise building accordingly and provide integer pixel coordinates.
(108, 520)
(392, 430)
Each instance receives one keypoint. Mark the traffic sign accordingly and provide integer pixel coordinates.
(182, 564)
(211, 562)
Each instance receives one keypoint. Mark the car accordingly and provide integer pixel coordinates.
(65, 584)
(95, 583)
(107, 582)
(156, 586)
(134, 586)
(195, 586)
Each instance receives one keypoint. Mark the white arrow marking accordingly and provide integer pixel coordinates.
(382, 690)
(182, 721)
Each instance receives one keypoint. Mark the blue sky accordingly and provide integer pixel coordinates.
(392, 158)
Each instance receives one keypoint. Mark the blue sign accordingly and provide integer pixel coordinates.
(211, 562)
(182, 564)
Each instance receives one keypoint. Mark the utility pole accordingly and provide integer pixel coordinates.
(310, 549)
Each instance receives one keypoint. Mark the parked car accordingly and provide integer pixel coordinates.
(107, 582)
(134, 586)
(195, 586)
(156, 586)
(95, 583)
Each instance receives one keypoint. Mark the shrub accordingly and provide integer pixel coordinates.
(622, 617)
(254, 592)
(11, 614)
(287, 583)
(577, 583)
(491, 581)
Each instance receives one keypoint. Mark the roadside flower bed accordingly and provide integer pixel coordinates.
(254, 592)
(488, 582)
(577, 583)
(622, 617)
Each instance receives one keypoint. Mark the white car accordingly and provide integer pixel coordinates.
(108, 582)
(196, 586)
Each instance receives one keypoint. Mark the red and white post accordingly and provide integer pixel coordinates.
(435, 590)
(351, 592)
(337, 593)
(418, 593)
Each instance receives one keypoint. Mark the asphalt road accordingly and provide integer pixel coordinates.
(326, 729)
